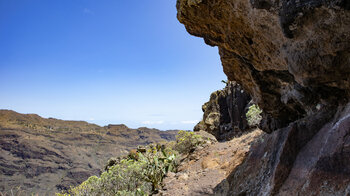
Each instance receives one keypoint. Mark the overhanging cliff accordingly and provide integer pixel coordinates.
(293, 57)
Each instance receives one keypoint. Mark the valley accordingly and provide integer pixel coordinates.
(45, 156)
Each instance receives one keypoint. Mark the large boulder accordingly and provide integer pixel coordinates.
(225, 113)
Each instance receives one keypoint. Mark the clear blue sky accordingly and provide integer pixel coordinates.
(106, 62)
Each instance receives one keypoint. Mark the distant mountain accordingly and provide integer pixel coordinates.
(48, 155)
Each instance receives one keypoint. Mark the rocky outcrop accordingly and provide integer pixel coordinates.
(44, 156)
(208, 166)
(293, 58)
(225, 113)
(302, 159)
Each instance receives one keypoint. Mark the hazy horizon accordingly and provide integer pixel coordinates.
(106, 62)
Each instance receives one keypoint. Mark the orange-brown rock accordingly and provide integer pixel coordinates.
(206, 169)
(293, 57)
(290, 55)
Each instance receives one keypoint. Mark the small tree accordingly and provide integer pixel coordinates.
(254, 115)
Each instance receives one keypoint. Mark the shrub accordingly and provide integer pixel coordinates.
(158, 163)
(139, 173)
(187, 141)
(132, 175)
(254, 116)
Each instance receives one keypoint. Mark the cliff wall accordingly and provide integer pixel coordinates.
(225, 113)
(293, 58)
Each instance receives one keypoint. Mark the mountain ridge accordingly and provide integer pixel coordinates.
(47, 155)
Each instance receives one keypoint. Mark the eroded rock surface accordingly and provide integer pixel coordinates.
(289, 55)
(293, 58)
(225, 113)
(302, 159)
(208, 167)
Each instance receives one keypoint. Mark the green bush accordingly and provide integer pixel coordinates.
(132, 175)
(187, 141)
(254, 116)
(139, 173)
(158, 163)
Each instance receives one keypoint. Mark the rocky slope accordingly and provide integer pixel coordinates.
(204, 172)
(293, 58)
(45, 156)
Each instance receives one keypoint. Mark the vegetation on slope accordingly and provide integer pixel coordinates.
(45, 156)
(142, 171)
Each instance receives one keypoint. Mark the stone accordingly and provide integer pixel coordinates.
(224, 114)
(210, 163)
(183, 176)
(207, 136)
(170, 174)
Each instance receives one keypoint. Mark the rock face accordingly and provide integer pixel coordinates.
(302, 159)
(225, 113)
(293, 58)
(44, 156)
(289, 55)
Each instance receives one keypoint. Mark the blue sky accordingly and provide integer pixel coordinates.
(106, 62)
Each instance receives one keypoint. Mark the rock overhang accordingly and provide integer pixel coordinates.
(291, 56)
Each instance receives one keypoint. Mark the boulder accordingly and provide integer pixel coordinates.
(225, 113)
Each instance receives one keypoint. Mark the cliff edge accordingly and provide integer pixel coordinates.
(293, 58)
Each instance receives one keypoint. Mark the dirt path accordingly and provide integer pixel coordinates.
(208, 167)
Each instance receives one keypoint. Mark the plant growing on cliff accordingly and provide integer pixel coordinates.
(254, 115)
(187, 141)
